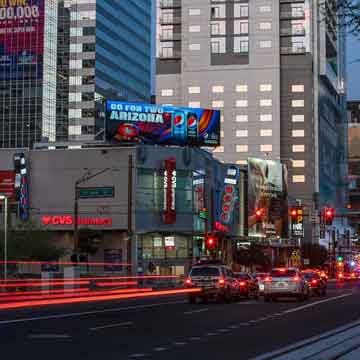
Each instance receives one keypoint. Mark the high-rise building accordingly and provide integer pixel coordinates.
(276, 71)
(110, 57)
(28, 51)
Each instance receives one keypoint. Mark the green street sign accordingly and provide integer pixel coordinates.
(203, 214)
(96, 192)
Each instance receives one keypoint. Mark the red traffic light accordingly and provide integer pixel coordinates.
(329, 215)
(293, 213)
(259, 215)
(211, 241)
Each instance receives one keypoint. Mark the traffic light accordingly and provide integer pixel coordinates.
(211, 241)
(259, 216)
(329, 214)
(340, 259)
(293, 214)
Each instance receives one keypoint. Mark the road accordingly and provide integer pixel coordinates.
(170, 328)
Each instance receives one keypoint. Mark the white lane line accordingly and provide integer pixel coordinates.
(179, 343)
(158, 349)
(299, 308)
(49, 336)
(137, 355)
(234, 327)
(195, 311)
(126, 323)
(85, 313)
(195, 338)
(211, 334)
(223, 330)
(244, 324)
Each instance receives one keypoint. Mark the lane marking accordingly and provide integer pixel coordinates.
(126, 323)
(234, 327)
(195, 311)
(49, 336)
(299, 308)
(223, 330)
(195, 338)
(85, 313)
(179, 343)
(138, 355)
(210, 334)
(158, 349)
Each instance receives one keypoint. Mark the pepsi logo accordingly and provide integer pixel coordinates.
(192, 122)
(178, 120)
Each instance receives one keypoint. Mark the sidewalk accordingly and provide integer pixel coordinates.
(341, 343)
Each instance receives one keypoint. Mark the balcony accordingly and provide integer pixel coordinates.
(169, 20)
(170, 37)
(292, 31)
(300, 14)
(289, 50)
(170, 55)
(170, 4)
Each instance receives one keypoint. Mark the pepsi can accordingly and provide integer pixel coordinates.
(192, 126)
(179, 126)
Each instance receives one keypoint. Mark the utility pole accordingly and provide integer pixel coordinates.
(130, 209)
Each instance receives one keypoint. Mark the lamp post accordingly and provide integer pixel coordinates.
(3, 197)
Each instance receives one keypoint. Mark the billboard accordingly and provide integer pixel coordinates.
(7, 183)
(157, 124)
(21, 38)
(267, 199)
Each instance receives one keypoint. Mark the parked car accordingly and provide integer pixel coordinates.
(285, 282)
(215, 282)
(260, 277)
(317, 285)
(247, 285)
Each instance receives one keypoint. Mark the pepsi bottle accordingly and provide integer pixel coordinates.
(179, 127)
(192, 126)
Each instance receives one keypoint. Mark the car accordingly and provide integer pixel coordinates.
(285, 282)
(316, 284)
(247, 285)
(215, 282)
(260, 278)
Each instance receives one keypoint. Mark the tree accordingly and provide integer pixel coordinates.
(317, 254)
(253, 255)
(28, 242)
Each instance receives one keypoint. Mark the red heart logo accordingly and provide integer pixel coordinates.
(46, 220)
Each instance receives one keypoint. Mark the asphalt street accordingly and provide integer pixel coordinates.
(170, 328)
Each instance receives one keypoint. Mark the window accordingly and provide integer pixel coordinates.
(89, 31)
(266, 148)
(298, 178)
(265, 132)
(298, 118)
(74, 48)
(298, 148)
(194, 12)
(194, 104)
(75, 80)
(242, 148)
(218, 11)
(297, 88)
(241, 44)
(221, 133)
(75, 97)
(76, 31)
(298, 133)
(265, 117)
(167, 32)
(265, 44)
(167, 92)
(194, 90)
(241, 133)
(241, 162)
(219, 149)
(88, 47)
(241, 10)
(241, 88)
(194, 28)
(218, 104)
(241, 27)
(75, 113)
(297, 103)
(241, 103)
(222, 119)
(218, 89)
(218, 28)
(298, 163)
(74, 129)
(265, 87)
(218, 46)
(265, 26)
(194, 47)
(265, 102)
(242, 118)
(265, 9)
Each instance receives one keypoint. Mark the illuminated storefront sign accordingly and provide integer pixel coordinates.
(169, 215)
(62, 220)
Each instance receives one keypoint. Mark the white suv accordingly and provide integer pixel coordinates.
(285, 282)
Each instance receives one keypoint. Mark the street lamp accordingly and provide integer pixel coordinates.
(3, 197)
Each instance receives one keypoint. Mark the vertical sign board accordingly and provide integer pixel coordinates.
(297, 225)
(169, 213)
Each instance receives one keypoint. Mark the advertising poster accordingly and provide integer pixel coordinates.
(166, 125)
(7, 183)
(21, 38)
(267, 189)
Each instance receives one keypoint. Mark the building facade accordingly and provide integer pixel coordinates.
(276, 71)
(28, 51)
(110, 58)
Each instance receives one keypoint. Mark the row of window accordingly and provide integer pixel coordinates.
(244, 148)
(217, 89)
(265, 132)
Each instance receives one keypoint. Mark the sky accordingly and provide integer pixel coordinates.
(353, 68)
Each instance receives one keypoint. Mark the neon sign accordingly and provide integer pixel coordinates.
(169, 215)
(62, 220)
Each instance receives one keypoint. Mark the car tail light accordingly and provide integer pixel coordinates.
(268, 279)
(296, 278)
(341, 276)
(242, 283)
(221, 282)
(314, 282)
(188, 281)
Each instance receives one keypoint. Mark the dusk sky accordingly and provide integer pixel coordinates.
(353, 68)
